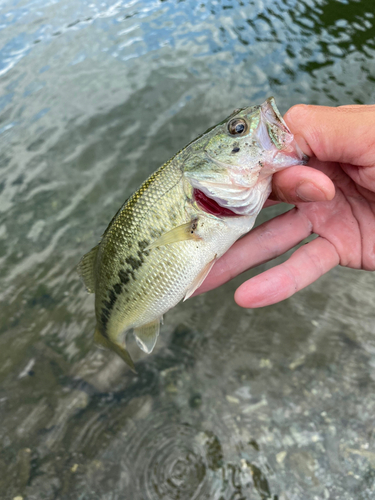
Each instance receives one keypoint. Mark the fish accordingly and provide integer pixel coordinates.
(162, 243)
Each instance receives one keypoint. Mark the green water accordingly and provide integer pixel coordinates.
(276, 403)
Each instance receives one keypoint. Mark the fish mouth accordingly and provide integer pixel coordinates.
(290, 153)
(211, 206)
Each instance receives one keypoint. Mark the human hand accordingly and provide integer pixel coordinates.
(334, 197)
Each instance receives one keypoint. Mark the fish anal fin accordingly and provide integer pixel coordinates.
(183, 232)
(85, 269)
(119, 349)
(147, 335)
(199, 279)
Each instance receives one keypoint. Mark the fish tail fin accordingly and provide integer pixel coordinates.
(119, 349)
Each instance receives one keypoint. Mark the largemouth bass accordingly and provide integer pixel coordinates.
(162, 243)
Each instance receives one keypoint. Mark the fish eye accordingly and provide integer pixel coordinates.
(237, 126)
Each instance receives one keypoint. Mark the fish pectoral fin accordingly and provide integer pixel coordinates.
(119, 349)
(85, 269)
(183, 232)
(199, 279)
(147, 335)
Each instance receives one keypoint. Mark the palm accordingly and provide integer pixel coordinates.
(348, 221)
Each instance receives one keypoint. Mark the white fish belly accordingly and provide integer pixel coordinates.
(175, 267)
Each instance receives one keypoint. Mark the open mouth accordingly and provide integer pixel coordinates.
(211, 206)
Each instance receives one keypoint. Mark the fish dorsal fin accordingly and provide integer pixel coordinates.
(119, 349)
(86, 269)
(183, 232)
(147, 335)
(199, 279)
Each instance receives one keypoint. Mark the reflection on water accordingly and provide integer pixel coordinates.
(275, 403)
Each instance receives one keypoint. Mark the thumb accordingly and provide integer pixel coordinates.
(344, 134)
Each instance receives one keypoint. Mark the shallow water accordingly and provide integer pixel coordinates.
(275, 403)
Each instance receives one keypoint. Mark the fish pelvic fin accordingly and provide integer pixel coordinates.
(85, 269)
(183, 232)
(147, 335)
(199, 279)
(119, 349)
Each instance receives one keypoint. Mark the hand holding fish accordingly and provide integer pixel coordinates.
(334, 198)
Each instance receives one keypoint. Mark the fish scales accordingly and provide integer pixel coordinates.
(162, 243)
(146, 216)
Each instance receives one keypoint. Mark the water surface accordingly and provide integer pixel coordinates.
(275, 403)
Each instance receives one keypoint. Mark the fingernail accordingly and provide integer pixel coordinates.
(307, 191)
(305, 148)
